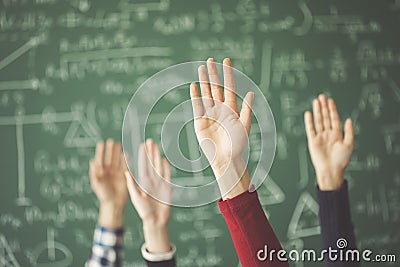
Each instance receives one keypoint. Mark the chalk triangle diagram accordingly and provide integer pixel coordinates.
(304, 221)
(7, 257)
(270, 193)
(18, 52)
(81, 134)
(13, 57)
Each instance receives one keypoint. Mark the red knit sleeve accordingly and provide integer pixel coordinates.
(251, 231)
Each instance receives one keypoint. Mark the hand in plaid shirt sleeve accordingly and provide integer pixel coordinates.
(107, 248)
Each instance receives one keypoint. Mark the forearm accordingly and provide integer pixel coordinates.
(108, 237)
(156, 237)
(250, 230)
(335, 220)
(111, 215)
(329, 180)
(107, 248)
(246, 220)
(232, 177)
(157, 250)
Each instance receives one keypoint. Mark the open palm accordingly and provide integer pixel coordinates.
(330, 151)
(154, 179)
(151, 170)
(107, 174)
(220, 129)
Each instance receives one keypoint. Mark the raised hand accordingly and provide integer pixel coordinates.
(221, 130)
(108, 182)
(154, 214)
(330, 151)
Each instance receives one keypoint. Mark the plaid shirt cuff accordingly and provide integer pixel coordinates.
(107, 248)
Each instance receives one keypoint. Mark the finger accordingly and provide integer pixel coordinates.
(116, 157)
(99, 157)
(167, 176)
(229, 85)
(205, 88)
(142, 162)
(216, 90)
(349, 133)
(245, 112)
(124, 161)
(319, 126)
(133, 189)
(149, 153)
(92, 171)
(335, 120)
(157, 159)
(197, 105)
(149, 149)
(326, 119)
(166, 170)
(109, 152)
(308, 122)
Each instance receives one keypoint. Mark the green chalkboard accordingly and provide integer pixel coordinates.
(69, 68)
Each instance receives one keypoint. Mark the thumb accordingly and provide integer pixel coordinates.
(94, 171)
(133, 190)
(348, 133)
(245, 112)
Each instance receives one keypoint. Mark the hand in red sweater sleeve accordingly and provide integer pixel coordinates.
(222, 132)
(251, 231)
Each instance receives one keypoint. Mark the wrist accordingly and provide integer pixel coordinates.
(232, 178)
(111, 215)
(330, 180)
(156, 237)
(220, 165)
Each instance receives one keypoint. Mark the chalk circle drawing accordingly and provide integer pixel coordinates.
(52, 253)
(178, 77)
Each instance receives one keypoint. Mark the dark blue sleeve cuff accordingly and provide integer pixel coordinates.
(335, 220)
